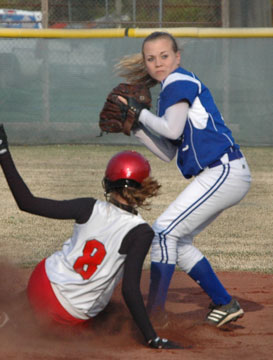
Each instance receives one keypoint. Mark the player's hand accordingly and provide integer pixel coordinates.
(3, 140)
(162, 343)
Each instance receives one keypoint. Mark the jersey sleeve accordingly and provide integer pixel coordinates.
(78, 209)
(137, 244)
(179, 90)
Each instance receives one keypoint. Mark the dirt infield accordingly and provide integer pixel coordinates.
(114, 336)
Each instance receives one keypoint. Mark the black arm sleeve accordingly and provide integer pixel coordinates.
(136, 245)
(79, 209)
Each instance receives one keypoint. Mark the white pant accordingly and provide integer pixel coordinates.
(211, 192)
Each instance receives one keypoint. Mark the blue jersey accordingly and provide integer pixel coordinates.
(205, 137)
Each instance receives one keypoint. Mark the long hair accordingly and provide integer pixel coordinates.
(138, 197)
(132, 67)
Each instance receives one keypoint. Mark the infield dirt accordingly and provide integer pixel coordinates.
(113, 335)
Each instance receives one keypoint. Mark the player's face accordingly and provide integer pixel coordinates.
(160, 58)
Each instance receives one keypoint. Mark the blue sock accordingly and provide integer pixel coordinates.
(204, 275)
(161, 275)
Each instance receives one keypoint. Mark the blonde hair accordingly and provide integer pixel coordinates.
(132, 67)
(138, 197)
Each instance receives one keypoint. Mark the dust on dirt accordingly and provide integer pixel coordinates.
(113, 335)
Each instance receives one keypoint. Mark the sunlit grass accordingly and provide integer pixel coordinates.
(239, 240)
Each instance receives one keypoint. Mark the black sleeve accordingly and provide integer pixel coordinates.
(79, 209)
(136, 245)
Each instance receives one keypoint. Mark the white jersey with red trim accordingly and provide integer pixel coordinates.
(89, 266)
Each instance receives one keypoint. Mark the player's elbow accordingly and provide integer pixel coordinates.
(166, 159)
(23, 207)
(168, 154)
(171, 135)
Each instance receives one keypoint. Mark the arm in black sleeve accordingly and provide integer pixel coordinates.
(136, 245)
(79, 209)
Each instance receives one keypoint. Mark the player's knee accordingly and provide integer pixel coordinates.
(164, 250)
(188, 257)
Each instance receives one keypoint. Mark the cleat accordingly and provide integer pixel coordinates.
(223, 314)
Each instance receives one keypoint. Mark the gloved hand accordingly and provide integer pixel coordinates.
(3, 140)
(161, 343)
(119, 116)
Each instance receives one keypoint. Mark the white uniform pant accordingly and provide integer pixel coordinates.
(211, 192)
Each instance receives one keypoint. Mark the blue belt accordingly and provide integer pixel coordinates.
(231, 156)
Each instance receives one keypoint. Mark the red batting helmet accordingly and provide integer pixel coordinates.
(126, 169)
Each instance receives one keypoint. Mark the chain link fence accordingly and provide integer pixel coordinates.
(52, 89)
(84, 14)
(136, 13)
(123, 13)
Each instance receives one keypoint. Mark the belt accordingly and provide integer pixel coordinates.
(231, 156)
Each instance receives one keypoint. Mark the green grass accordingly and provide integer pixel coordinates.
(239, 240)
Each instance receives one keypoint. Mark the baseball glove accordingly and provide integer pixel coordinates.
(116, 116)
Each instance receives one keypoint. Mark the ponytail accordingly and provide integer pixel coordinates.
(132, 68)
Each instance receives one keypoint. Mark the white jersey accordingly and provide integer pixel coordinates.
(85, 272)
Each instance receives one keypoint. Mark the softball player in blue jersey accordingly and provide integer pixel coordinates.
(188, 125)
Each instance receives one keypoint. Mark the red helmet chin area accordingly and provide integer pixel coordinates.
(127, 165)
